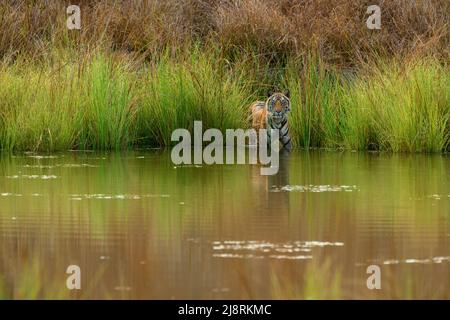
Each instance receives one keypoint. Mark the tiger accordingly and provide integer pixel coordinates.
(272, 114)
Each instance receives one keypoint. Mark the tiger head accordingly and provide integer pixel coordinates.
(278, 105)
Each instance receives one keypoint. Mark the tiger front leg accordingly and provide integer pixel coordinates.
(287, 146)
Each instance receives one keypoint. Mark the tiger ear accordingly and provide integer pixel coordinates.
(287, 93)
(269, 93)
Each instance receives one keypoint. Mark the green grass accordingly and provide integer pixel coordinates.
(108, 101)
(199, 87)
(36, 108)
(411, 107)
(315, 103)
(393, 107)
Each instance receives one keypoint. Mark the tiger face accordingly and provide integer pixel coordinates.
(278, 105)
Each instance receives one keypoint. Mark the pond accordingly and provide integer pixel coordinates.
(140, 227)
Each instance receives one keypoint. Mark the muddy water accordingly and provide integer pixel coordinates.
(140, 227)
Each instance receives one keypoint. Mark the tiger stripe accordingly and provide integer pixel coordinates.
(263, 119)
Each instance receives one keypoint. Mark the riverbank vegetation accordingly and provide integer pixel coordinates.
(138, 70)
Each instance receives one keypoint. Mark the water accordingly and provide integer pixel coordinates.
(140, 227)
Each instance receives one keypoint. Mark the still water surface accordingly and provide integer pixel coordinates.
(140, 227)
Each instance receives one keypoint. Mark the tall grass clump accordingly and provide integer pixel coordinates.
(199, 86)
(102, 101)
(82, 104)
(314, 98)
(37, 108)
(392, 106)
(107, 92)
(399, 107)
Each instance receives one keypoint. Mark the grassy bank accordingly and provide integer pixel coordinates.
(272, 29)
(391, 106)
(137, 70)
(106, 100)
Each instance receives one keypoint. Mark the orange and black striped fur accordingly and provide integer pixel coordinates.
(272, 114)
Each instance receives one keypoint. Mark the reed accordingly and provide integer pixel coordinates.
(197, 87)
(120, 83)
(410, 106)
(392, 106)
(104, 100)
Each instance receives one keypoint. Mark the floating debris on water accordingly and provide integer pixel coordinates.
(391, 262)
(101, 196)
(418, 261)
(39, 166)
(288, 250)
(188, 166)
(290, 257)
(33, 176)
(81, 165)
(314, 188)
(44, 157)
(9, 194)
(122, 288)
(437, 196)
(237, 256)
(67, 165)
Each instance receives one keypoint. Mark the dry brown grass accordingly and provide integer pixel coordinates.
(270, 29)
(334, 28)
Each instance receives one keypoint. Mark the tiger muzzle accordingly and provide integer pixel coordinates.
(278, 106)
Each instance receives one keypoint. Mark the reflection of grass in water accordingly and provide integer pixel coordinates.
(116, 176)
(30, 282)
(317, 281)
(322, 281)
(33, 280)
(414, 282)
(303, 280)
(319, 278)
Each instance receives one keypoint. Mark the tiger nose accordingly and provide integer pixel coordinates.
(278, 106)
